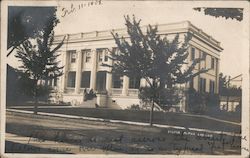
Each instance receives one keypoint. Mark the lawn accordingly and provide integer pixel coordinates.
(42, 134)
(169, 118)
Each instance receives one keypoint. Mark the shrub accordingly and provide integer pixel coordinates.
(212, 99)
(201, 102)
(196, 101)
(89, 95)
(165, 98)
(134, 107)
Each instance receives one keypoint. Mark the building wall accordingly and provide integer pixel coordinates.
(102, 39)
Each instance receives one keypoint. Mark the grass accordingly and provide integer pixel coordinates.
(175, 119)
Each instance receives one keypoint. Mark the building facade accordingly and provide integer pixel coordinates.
(83, 54)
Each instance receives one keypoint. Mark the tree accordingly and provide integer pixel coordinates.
(149, 56)
(39, 60)
(225, 87)
(27, 22)
(233, 13)
(222, 83)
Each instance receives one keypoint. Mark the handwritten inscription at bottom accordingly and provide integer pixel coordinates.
(171, 142)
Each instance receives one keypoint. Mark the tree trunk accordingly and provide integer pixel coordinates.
(35, 106)
(151, 114)
(36, 101)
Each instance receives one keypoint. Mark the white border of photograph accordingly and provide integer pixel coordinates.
(245, 69)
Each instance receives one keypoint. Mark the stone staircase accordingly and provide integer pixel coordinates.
(88, 103)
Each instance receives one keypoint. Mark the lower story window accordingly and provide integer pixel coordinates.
(71, 79)
(117, 81)
(55, 82)
(211, 86)
(191, 83)
(85, 80)
(202, 87)
(134, 82)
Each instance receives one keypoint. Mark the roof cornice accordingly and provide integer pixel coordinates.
(163, 29)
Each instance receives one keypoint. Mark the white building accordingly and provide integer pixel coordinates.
(82, 55)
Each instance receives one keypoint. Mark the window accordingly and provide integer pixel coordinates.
(116, 50)
(106, 55)
(203, 55)
(85, 80)
(102, 54)
(134, 83)
(101, 80)
(191, 83)
(87, 55)
(202, 85)
(211, 86)
(55, 82)
(192, 53)
(72, 56)
(71, 79)
(117, 81)
(212, 63)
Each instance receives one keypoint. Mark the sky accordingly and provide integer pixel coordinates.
(110, 15)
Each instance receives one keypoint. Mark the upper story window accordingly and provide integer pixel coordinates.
(212, 63)
(87, 55)
(106, 55)
(99, 54)
(192, 54)
(116, 50)
(72, 56)
(102, 54)
(204, 55)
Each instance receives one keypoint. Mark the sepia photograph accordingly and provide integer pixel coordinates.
(148, 78)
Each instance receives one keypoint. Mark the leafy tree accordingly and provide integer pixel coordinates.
(222, 82)
(154, 58)
(233, 13)
(27, 22)
(39, 60)
(225, 88)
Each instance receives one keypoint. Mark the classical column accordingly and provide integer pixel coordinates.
(93, 70)
(125, 85)
(199, 76)
(217, 76)
(109, 76)
(78, 71)
(143, 82)
(65, 70)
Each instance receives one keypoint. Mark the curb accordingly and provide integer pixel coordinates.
(125, 122)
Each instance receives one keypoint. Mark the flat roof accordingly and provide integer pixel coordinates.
(163, 29)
